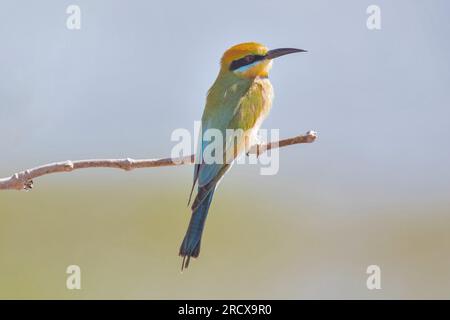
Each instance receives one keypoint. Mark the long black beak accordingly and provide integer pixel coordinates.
(275, 53)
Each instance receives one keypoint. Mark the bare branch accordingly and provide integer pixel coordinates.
(23, 180)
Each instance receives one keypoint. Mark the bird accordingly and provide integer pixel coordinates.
(239, 99)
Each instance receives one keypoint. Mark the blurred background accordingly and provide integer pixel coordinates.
(373, 189)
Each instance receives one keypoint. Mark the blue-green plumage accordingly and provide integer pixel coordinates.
(232, 95)
(239, 99)
(191, 242)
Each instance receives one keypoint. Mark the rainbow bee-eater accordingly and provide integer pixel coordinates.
(239, 99)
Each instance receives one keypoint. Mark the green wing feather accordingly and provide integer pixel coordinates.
(232, 103)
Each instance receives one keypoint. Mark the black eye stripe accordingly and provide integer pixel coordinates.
(245, 61)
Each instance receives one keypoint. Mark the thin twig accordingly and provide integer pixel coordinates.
(23, 180)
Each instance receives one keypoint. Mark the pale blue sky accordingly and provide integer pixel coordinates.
(138, 70)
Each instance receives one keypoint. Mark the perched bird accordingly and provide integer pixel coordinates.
(239, 99)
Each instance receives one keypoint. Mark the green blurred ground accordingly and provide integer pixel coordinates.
(261, 241)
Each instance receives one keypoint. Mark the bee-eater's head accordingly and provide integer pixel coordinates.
(251, 59)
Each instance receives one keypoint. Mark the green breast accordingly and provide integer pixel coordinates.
(235, 103)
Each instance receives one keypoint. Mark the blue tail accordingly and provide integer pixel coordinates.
(191, 243)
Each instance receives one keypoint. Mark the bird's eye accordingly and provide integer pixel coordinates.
(246, 60)
(249, 58)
